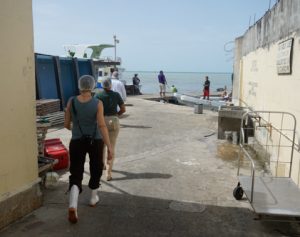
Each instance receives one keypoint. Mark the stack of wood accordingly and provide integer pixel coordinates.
(55, 119)
(48, 106)
(48, 110)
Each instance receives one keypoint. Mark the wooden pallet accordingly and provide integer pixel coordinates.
(54, 119)
(47, 106)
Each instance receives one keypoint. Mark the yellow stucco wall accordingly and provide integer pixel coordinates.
(18, 146)
(263, 89)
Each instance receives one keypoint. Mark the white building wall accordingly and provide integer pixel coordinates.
(263, 89)
(257, 83)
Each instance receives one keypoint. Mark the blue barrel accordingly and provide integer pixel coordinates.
(98, 85)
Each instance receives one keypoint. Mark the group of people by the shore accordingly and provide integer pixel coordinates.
(206, 88)
(94, 122)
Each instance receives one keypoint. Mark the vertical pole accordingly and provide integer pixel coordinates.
(76, 74)
(115, 43)
(93, 69)
(59, 86)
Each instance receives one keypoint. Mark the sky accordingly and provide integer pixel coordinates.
(168, 35)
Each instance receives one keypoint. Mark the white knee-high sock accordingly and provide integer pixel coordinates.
(94, 197)
(73, 198)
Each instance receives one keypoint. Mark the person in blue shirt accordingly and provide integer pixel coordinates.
(162, 84)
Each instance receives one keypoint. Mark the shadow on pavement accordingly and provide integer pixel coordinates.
(121, 214)
(133, 126)
(147, 175)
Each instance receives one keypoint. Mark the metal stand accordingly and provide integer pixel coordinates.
(273, 194)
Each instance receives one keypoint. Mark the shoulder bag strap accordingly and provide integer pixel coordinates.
(75, 113)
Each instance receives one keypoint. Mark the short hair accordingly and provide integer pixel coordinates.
(86, 83)
(106, 83)
(115, 74)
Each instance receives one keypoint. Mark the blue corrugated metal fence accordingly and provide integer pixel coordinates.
(57, 77)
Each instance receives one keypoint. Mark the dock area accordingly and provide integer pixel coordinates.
(172, 177)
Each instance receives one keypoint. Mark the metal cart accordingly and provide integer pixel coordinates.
(273, 193)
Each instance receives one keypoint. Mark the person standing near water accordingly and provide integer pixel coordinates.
(136, 82)
(162, 84)
(206, 86)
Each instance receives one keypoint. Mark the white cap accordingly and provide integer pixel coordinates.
(86, 83)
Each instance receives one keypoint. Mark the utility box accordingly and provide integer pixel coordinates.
(198, 108)
(229, 119)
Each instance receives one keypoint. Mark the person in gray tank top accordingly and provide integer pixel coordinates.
(89, 132)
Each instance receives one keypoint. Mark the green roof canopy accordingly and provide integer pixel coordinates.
(98, 49)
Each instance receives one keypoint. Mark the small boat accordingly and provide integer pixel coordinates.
(213, 102)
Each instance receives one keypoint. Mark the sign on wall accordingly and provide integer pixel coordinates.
(284, 57)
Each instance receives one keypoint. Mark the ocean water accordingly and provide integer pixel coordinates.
(185, 82)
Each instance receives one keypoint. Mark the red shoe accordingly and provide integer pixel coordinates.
(73, 218)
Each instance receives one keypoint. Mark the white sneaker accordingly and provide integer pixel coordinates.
(94, 198)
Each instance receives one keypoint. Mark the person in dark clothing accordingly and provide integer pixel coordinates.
(89, 132)
(206, 86)
(136, 82)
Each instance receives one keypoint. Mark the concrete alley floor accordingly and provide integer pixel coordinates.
(172, 177)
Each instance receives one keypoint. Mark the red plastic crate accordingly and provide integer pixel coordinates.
(63, 159)
(54, 148)
(57, 151)
(52, 141)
